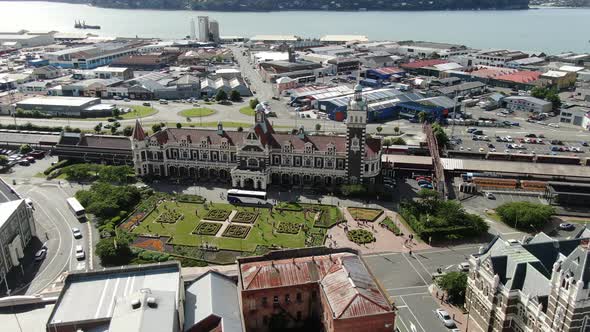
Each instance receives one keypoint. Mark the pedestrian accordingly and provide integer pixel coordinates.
(46, 236)
(410, 252)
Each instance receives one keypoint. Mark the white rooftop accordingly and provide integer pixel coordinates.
(344, 38)
(275, 38)
(110, 69)
(554, 74)
(7, 209)
(58, 101)
(574, 69)
(227, 71)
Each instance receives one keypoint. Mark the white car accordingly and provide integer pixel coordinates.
(445, 318)
(80, 255)
(463, 267)
(554, 125)
(77, 233)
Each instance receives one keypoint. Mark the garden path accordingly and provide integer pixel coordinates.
(226, 223)
(385, 240)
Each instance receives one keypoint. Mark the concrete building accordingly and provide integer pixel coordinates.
(275, 39)
(540, 285)
(214, 31)
(193, 30)
(66, 106)
(321, 289)
(121, 73)
(46, 73)
(25, 39)
(203, 22)
(93, 56)
(576, 116)
(343, 39)
(559, 79)
(210, 87)
(17, 228)
(123, 299)
(258, 157)
(528, 104)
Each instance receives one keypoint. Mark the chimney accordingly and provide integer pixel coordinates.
(152, 303)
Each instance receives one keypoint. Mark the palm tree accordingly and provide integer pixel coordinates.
(422, 117)
(379, 129)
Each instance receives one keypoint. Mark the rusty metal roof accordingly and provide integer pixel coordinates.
(346, 282)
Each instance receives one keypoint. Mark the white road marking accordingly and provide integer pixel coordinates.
(412, 265)
(102, 295)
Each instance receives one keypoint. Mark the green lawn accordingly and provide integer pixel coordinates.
(246, 110)
(260, 234)
(196, 112)
(364, 214)
(138, 112)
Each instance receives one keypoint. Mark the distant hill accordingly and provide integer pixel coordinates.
(561, 3)
(332, 5)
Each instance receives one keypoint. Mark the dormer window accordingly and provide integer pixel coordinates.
(288, 147)
(308, 148)
(204, 143)
(331, 148)
(224, 143)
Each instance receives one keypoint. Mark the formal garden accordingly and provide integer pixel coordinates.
(364, 214)
(199, 224)
(360, 236)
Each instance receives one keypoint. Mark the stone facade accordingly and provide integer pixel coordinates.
(259, 156)
(542, 285)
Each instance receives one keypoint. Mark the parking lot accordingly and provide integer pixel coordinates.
(407, 279)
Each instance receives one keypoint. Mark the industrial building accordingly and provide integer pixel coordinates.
(66, 106)
(24, 39)
(92, 56)
(527, 104)
(100, 149)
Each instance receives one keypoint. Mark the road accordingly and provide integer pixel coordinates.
(54, 226)
(407, 278)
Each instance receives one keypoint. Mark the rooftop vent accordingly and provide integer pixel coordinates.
(152, 303)
(135, 304)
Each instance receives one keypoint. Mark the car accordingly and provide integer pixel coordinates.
(492, 150)
(40, 254)
(584, 143)
(530, 135)
(77, 233)
(147, 104)
(30, 159)
(163, 101)
(29, 202)
(491, 146)
(24, 162)
(463, 267)
(445, 318)
(480, 149)
(501, 115)
(427, 178)
(80, 255)
(553, 125)
(117, 98)
(126, 100)
(490, 196)
(566, 226)
(421, 182)
(196, 105)
(426, 186)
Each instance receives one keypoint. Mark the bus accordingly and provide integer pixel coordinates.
(76, 208)
(246, 196)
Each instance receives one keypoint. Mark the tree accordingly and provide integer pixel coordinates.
(235, 95)
(318, 127)
(116, 112)
(396, 130)
(3, 160)
(539, 92)
(429, 199)
(113, 129)
(454, 284)
(156, 127)
(240, 129)
(25, 148)
(553, 97)
(115, 250)
(253, 103)
(115, 174)
(178, 125)
(105, 200)
(379, 129)
(98, 127)
(397, 141)
(128, 131)
(422, 117)
(441, 136)
(221, 96)
(525, 215)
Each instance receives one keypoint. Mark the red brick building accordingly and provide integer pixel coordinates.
(313, 289)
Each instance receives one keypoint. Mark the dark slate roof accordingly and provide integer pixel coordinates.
(105, 141)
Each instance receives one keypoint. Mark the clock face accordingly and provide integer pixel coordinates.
(259, 117)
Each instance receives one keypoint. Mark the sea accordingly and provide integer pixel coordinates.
(549, 30)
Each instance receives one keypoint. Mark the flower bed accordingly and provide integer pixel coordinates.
(245, 217)
(169, 217)
(288, 227)
(217, 215)
(365, 214)
(133, 221)
(190, 198)
(236, 231)
(391, 226)
(155, 244)
(360, 236)
(207, 228)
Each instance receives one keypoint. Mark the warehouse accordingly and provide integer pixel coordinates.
(66, 106)
(566, 193)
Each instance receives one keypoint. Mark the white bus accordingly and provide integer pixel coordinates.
(76, 208)
(246, 196)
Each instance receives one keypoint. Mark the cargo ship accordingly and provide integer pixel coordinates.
(83, 25)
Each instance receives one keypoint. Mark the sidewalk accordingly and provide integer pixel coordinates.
(385, 239)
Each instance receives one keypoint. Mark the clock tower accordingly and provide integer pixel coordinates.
(356, 128)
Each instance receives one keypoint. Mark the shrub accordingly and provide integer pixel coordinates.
(288, 227)
(217, 215)
(391, 226)
(360, 236)
(525, 215)
(207, 228)
(245, 217)
(58, 165)
(236, 231)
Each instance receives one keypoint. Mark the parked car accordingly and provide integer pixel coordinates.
(147, 104)
(126, 100)
(566, 226)
(426, 186)
(445, 318)
(553, 125)
(80, 255)
(490, 196)
(77, 233)
(463, 267)
(163, 101)
(40, 254)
